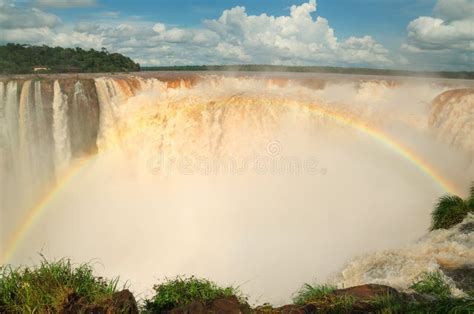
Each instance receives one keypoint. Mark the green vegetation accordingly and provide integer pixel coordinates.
(432, 283)
(46, 288)
(395, 305)
(323, 298)
(452, 210)
(309, 293)
(440, 298)
(312, 69)
(180, 291)
(21, 59)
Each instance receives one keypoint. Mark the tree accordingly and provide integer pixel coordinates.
(20, 59)
(451, 210)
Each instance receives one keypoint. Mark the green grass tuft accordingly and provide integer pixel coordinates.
(309, 293)
(432, 283)
(451, 210)
(180, 291)
(45, 288)
(323, 298)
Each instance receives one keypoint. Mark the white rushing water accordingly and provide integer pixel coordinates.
(62, 144)
(259, 182)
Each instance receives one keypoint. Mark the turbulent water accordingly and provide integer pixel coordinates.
(263, 182)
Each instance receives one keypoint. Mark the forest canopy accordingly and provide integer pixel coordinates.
(23, 59)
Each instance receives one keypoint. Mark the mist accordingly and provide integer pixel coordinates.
(239, 180)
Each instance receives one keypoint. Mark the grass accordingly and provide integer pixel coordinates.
(180, 291)
(432, 283)
(445, 305)
(323, 298)
(451, 210)
(309, 293)
(45, 288)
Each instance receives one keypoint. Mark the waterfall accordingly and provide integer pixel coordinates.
(260, 163)
(11, 114)
(452, 117)
(43, 145)
(62, 145)
(9, 126)
(3, 154)
(110, 101)
(28, 136)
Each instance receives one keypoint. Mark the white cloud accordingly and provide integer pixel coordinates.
(13, 17)
(66, 3)
(159, 27)
(428, 33)
(447, 38)
(234, 37)
(453, 10)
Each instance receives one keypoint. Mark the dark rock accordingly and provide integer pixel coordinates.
(287, 309)
(120, 302)
(226, 305)
(190, 308)
(309, 308)
(125, 302)
(463, 276)
(368, 292)
(467, 227)
(365, 295)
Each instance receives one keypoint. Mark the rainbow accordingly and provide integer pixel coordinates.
(35, 212)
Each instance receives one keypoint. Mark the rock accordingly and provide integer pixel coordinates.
(228, 305)
(288, 309)
(463, 276)
(364, 295)
(467, 227)
(190, 308)
(368, 292)
(125, 302)
(120, 302)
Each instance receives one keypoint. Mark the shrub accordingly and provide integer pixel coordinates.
(45, 288)
(180, 291)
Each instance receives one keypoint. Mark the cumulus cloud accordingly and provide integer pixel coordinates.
(452, 10)
(66, 3)
(235, 37)
(13, 17)
(447, 37)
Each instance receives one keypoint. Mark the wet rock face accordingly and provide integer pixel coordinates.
(467, 228)
(463, 277)
(451, 117)
(83, 115)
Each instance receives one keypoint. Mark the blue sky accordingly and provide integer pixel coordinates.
(425, 34)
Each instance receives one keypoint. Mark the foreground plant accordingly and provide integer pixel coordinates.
(46, 288)
(432, 283)
(323, 298)
(309, 293)
(452, 210)
(181, 291)
(441, 299)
